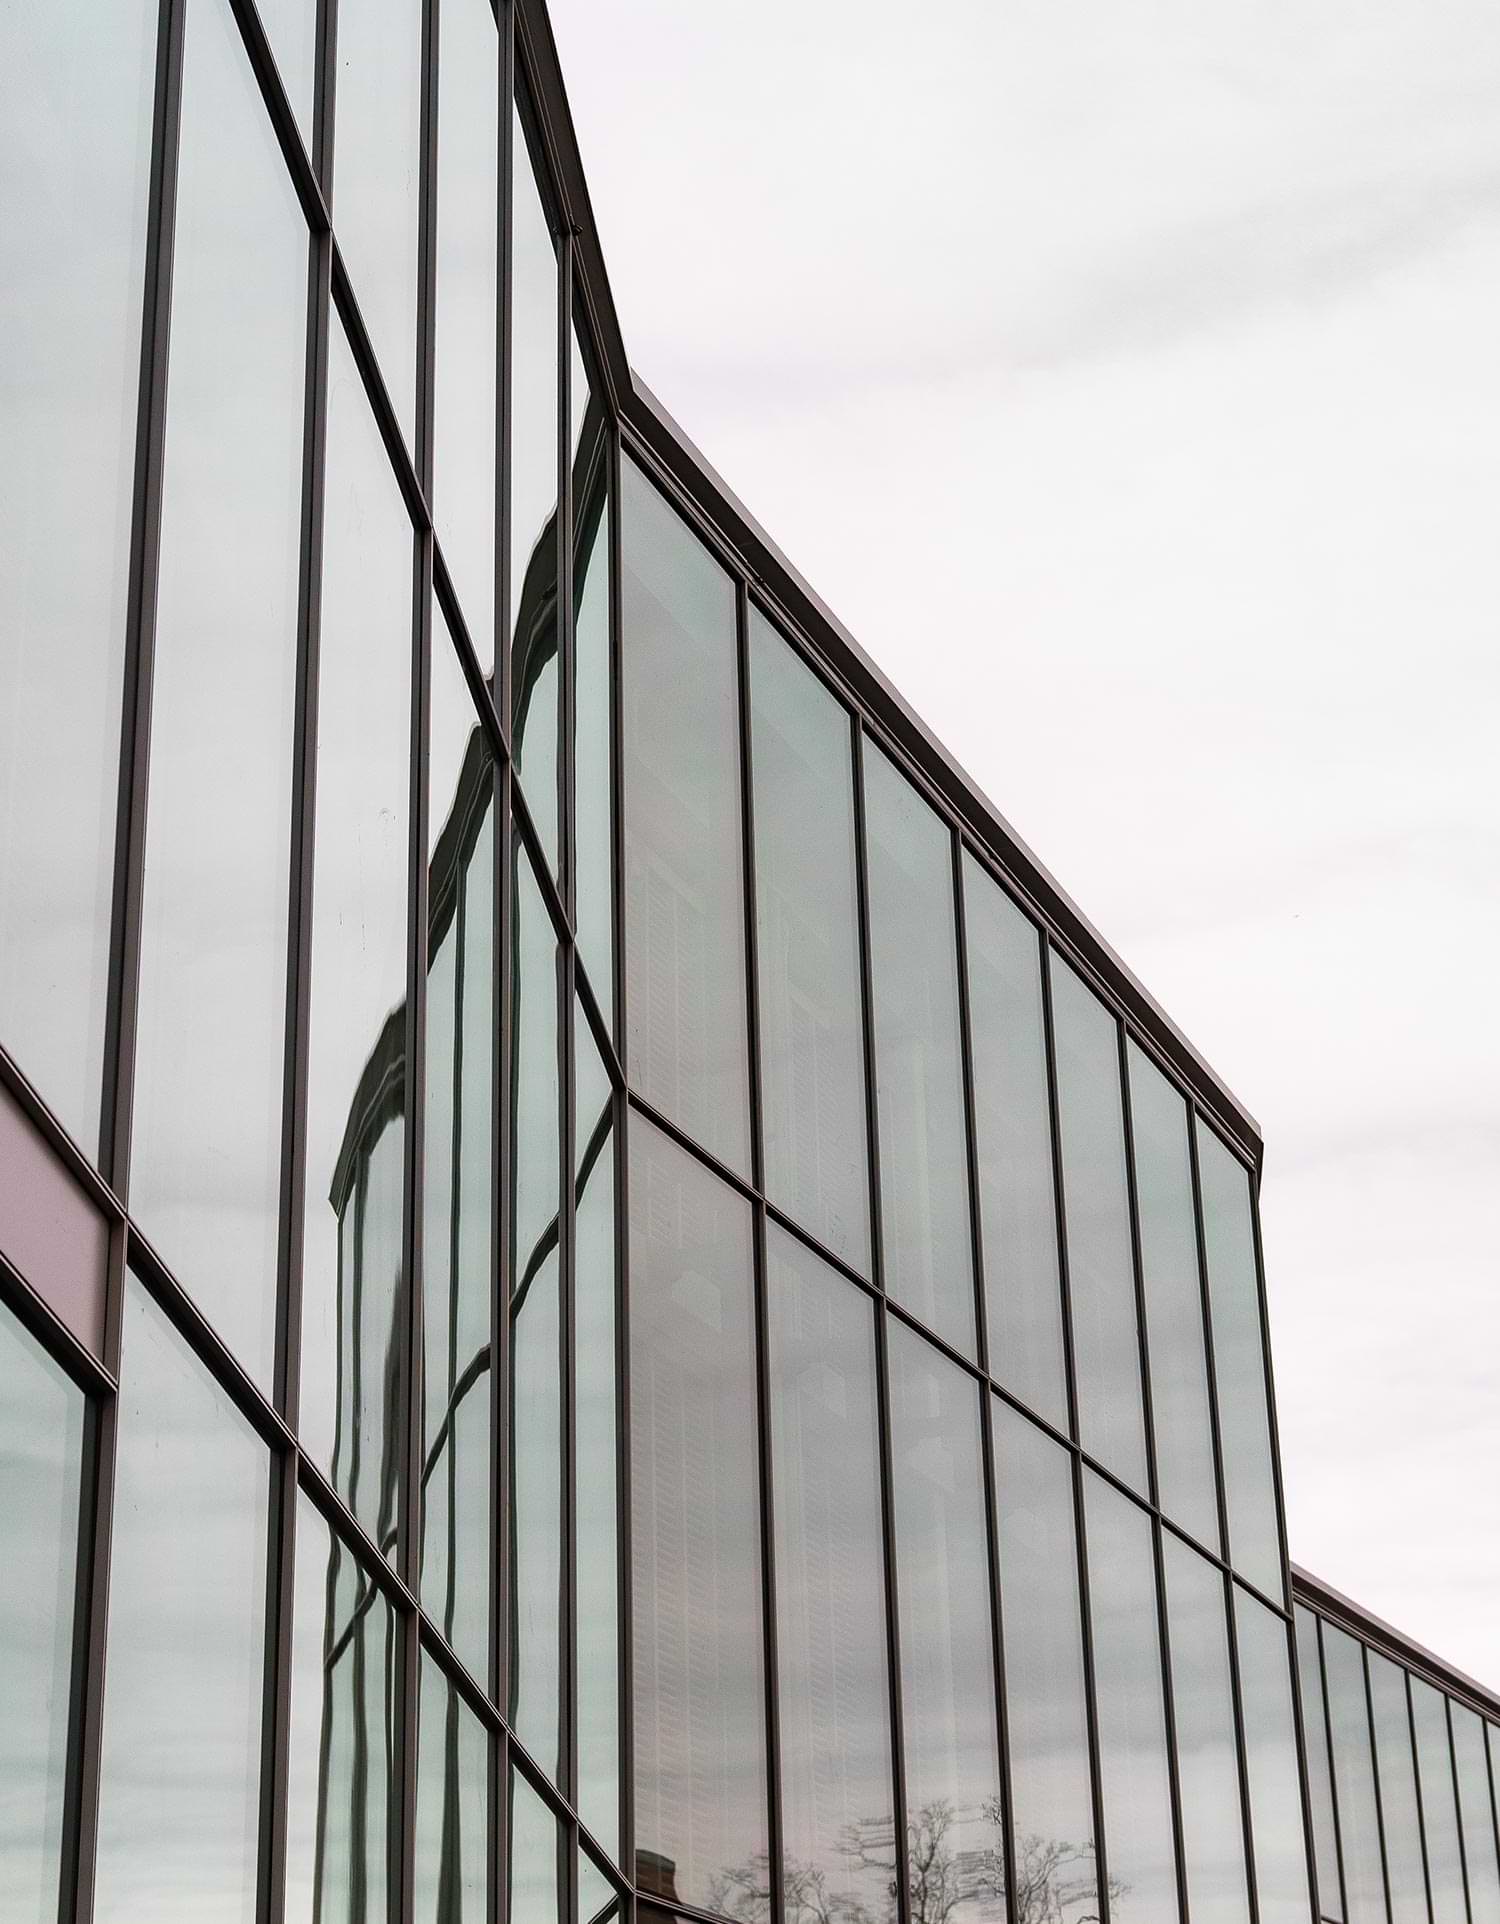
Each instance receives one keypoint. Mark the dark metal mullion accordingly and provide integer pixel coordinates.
(282, 116)
(567, 697)
(567, 1763)
(1169, 1713)
(1385, 1865)
(1231, 1630)
(1059, 1194)
(276, 1691)
(1304, 1774)
(1272, 1424)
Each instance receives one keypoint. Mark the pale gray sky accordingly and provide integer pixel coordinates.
(1125, 375)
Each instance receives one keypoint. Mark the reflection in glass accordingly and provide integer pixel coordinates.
(353, 1281)
(291, 28)
(1213, 1838)
(1013, 1147)
(1476, 1812)
(466, 346)
(596, 1466)
(533, 497)
(75, 133)
(1319, 1770)
(953, 1811)
(593, 772)
(1395, 1767)
(378, 93)
(1181, 1416)
(205, 1167)
(451, 1840)
(811, 1027)
(1354, 1776)
(700, 1764)
(1096, 1204)
(459, 1147)
(341, 1744)
(41, 1452)
(179, 1787)
(1271, 1774)
(1445, 1871)
(924, 1180)
(685, 928)
(830, 1588)
(1051, 1804)
(597, 1899)
(1239, 1363)
(1134, 1781)
(532, 1858)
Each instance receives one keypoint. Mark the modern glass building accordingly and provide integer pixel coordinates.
(610, 1304)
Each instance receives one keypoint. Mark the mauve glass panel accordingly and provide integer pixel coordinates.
(1476, 1811)
(1395, 1765)
(1213, 1837)
(1319, 1772)
(1271, 1770)
(1354, 1777)
(1445, 1871)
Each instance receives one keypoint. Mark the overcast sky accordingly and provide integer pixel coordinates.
(1127, 377)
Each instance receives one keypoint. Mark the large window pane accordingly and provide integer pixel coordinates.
(466, 346)
(376, 187)
(1396, 1767)
(41, 1451)
(1477, 1814)
(1354, 1777)
(1319, 1771)
(353, 1280)
(291, 27)
(700, 1764)
(75, 136)
(341, 1746)
(953, 1811)
(924, 1178)
(206, 1151)
(685, 956)
(179, 1793)
(459, 1146)
(533, 1857)
(1445, 1871)
(1239, 1363)
(593, 823)
(451, 1845)
(1213, 1837)
(1133, 1772)
(1272, 1774)
(1181, 1417)
(1051, 1801)
(596, 1471)
(1096, 1202)
(811, 1027)
(1013, 1145)
(533, 497)
(830, 1590)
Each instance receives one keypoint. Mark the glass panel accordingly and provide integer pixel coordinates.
(341, 1744)
(291, 27)
(1136, 1788)
(947, 1652)
(352, 1279)
(596, 1416)
(179, 1783)
(1477, 1814)
(1213, 1838)
(597, 1898)
(1013, 1146)
(685, 955)
(1271, 1771)
(1319, 1773)
(205, 1167)
(1445, 1871)
(1181, 1416)
(924, 1180)
(375, 185)
(453, 1803)
(593, 827)
(534, 1894)
(459, 1146)
(1096, 1202)
(1051, 1801)
(1239, 1363)
(533, 498)
(1396, 1768)
(75, 132)
(536, 1332)
(807, 921)
(830, 1591)
(1354, 1777)
(41, 1465)
(466, 344)
(700, 1762)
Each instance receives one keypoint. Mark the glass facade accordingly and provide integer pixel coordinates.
(681, 1338)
